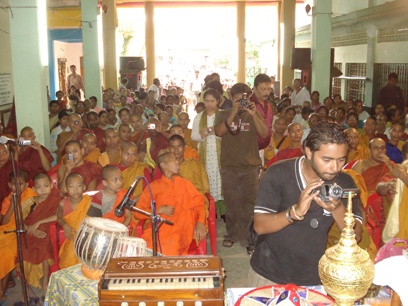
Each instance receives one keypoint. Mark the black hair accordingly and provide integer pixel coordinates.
(261, 78)
(214, 93)
(325, 133)
(177, 137)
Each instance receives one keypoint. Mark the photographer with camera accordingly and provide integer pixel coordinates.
(297, 202)
(239, 128)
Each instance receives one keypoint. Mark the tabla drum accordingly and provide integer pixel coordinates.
(130, 247)
(96, 241)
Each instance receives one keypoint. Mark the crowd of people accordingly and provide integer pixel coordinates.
(264, 159)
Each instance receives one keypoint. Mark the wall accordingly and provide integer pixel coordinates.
(351, 54)
(73, 49)
(5, 51)
(391, 52)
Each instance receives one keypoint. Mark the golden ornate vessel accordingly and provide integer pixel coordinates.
(346, 270)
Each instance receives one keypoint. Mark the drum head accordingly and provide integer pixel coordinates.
(106, 225)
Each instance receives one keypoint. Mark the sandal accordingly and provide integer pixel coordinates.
(11, 283)
(228, 243)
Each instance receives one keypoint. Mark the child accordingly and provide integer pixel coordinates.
(131, 168)
(61, 101)
(8, 242)
(172, 117)
(70, 214)
(54, 108)
(136, 122)
(74, 162)
(105, 201)
(124, 132)
(62, 127)
(112, 152)
(179, 202)
(38, 213)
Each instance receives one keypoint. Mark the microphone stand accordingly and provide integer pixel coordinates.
(155, 219)
(20, 229)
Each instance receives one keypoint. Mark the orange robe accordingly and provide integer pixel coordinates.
(73, 219)
(130, 173)
(187, 138)
(189, 152)
(93, 156)
(283, 145)
(39, 249)
(361, 152)
(104, 160)
(189, 209)
(8, 242)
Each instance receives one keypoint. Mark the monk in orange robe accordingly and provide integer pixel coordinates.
(71, 212)
(5, 169)
(74, 162)
(189, 152)
(113, 152)
(183, 121)
(131, 168)
(38, 213)
(8, 242)
(355, 150)
(177, 201)
(375, 169)
(91, 151)
(105, 201)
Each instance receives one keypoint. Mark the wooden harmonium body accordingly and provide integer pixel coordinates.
(163, 281)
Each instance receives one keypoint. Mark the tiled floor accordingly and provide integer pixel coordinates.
(235, 262)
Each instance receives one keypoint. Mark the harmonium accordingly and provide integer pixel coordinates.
(163, 281)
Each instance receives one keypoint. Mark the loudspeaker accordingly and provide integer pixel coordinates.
(135, 79)
(300, 58)
(131, 64)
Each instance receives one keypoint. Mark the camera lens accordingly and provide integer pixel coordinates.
(335, 191)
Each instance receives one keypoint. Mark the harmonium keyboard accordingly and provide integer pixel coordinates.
(163, 281)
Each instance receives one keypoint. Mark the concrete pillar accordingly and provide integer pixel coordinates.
(279, 42)
(241, 71)
(29, 48)
(371, 42)
(287, 41)
(110, 23)
(150, 47)
(92, 70)
(321, 40)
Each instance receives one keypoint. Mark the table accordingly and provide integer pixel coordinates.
(69, 287)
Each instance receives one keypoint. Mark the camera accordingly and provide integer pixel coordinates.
(151, 126)
(23, 142)
(209, 130)
(244, 102)
(71, 157)
(328, 191)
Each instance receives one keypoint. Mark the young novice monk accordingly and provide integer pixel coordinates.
(112, 152)
(8, 242)
(74, 162)
(105, 201)
(177, 201)
(131, 168)
(70, 214)
(38, 212)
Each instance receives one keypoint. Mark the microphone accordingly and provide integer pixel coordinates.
(120, 208)
(19, 141)
(5, 140)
